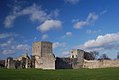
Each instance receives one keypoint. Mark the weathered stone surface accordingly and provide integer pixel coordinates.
(100, 63)
(63, 63)
(44, 57)
(10, 63)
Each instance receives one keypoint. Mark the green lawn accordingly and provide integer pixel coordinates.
(66, 74)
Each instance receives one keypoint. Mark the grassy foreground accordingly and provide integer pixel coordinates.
(66, 74)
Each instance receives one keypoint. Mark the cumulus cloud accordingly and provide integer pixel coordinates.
(92, 17)
(58, 44)
(12, 49)
(9, 20)
(45, 36)
(80, 24)
(24, 47)
(108, 41)
(35, 13)
(72, 1)
(49, 24)
(7, 47)
(10, 46)
(67, 34)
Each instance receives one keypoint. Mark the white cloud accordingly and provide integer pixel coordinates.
(49, 24)
(72, 1)
(80, 24)
(92, 17)
(58, 44)
(45, 36)
(7, 35)
(108, 41)
(10, 46)
(66, 54)
(8, 51)
(7, 44)
(4, 35)
(93, 31)
(23, 47)
(67, 34)
(7, 47)
(9, 20)
(35, 13)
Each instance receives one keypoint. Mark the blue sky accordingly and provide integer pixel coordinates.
(70, 24)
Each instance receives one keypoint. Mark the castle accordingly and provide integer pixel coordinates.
(43, 55)
(43, 58)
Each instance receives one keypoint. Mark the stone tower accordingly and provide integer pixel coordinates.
(79, 55)
(43, 54)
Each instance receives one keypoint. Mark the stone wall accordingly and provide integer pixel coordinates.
(45, 62)
(36, 48)
(43, 55)
(41, 49)
(100, 63)
(63, 63)
(68, 63)
(10, 63)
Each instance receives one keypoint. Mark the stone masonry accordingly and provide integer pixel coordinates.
(43, 58)
(43, 55)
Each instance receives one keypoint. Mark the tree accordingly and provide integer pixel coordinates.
(104, 57)
(94, 54)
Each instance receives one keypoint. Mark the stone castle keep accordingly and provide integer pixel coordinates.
(43, 55)
(43, 58)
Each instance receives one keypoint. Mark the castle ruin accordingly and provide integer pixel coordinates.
(43, 55)
(43, 58)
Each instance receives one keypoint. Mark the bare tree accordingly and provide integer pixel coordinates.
(104, 57)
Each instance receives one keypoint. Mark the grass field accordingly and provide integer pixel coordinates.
(66, 74)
